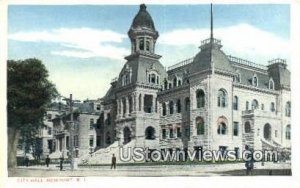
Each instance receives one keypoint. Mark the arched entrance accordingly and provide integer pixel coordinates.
(127, 135)
(267, 131)
(150, 133)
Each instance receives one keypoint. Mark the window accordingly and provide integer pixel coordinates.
(222, 129)
(150, 133)
(235, 103)
(127, 135)
(108, 138)
(262, 107)
(254, 104)
(288, 109)
(91, 123)
(271, 84)
(267, 131)
(171, 133)
(178, 104)
(175, 82)
(49, 117)
(91, 140)
(247, 105)
(235, 128)
(152, 78)
(67, 142)
(247, 127)
(187, 132)
(179, 82)
(76, 141)
(148, 45)
(164, 110)
(238, 78)
(171, 107)
(98, 107)
(164, 133)
(200, 96)
(288, 132)
(222, 98)
(49, 131)
(108, 119)
(141, 46)
(200, 126)
(178, 130)
(272, 107)
(276, 133)
(187, 104)
(254, 81)
(166, 84)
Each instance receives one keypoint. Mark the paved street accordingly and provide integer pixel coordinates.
(163, 170)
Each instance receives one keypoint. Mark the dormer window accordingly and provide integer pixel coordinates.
(271, 84)
(255, 81)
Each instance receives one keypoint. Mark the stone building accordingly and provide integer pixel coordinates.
(212, 101)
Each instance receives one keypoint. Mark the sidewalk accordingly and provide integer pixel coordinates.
(163, 170)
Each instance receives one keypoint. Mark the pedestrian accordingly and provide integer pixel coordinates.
(26, 161)
(61, 162)
(113, 162)
(249, 164)
(47, 160)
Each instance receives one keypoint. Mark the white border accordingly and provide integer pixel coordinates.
(245, 182)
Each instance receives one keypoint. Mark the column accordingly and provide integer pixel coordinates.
(127, 106)
(153, 104)
(142, 102)
(134, 99)
(118, 108)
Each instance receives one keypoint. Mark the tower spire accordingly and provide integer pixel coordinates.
(211, 24)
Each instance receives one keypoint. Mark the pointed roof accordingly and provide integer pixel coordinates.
(143, 19)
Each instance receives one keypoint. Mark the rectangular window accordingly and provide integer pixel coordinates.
(164, 133)
(98, 107)
(75, 142)
(171, 133)
(67, 142)
(178, 132)
(108, 119)
(235, 128)
(276, 133)
(91, 123)
(187, 132)
(91, 140)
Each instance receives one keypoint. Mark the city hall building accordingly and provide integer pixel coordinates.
(211, 101)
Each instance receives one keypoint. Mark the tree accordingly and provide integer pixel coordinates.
(28, 93)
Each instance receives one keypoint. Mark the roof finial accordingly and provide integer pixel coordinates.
(143, 6)
(211, 24)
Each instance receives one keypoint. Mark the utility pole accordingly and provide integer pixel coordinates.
(71, 128)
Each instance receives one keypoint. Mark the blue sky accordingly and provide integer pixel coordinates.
(83, 46)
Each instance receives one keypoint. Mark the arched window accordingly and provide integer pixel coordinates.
(171, 107)
(267, 131)
(187, 104)
(255, 81)
(141, 46)
(164, 109)
(178, 104)
(222, 128)
(235, 103)
(200, 96)
(222, 98)
(150, 133)
(288, 109)
(271, 84)
(200, 126)
(288, 132)
(247, 127)
(166, 84)
(179, 82)
(272, 107)
(254, 104)
(175, 82)
(127, 135)
(147, 45)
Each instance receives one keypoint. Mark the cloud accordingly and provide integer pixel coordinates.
(243, 40)
(79, 42)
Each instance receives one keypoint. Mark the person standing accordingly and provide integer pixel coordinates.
(47, 160)
(61, 163)
(27, 161)
(113, 162)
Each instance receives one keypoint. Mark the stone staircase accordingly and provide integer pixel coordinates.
(104, 155)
